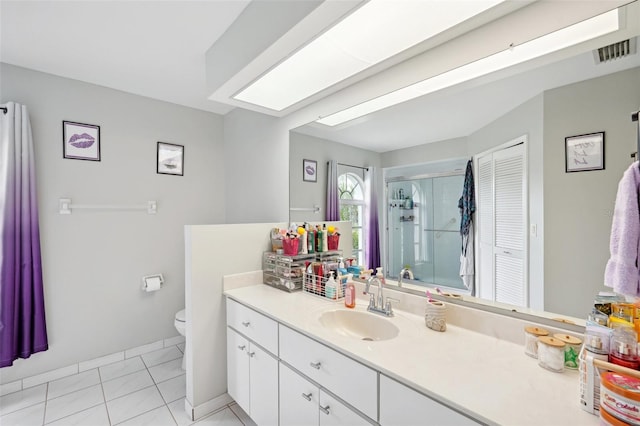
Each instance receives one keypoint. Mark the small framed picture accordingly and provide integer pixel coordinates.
(584, 152)
(309, 170)
(80, 141)
(170, 159)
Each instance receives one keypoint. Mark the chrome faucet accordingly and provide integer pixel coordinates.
(405, 273)
(378, 307)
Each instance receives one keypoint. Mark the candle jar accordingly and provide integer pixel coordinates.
(624, 348)
(531, 335)
(551, 353)
(572, 346)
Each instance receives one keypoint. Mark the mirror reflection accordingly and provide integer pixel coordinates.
(566, 222)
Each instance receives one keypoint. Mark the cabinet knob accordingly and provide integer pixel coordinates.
(325, 409)
(307, 396)
(241, 347)
(246, 324)
(315, 365)
(251, 354)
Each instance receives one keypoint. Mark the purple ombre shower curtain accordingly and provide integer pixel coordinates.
(22, 320)
(372, 239)
(333, 199)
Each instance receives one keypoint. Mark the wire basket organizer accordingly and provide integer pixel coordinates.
(284, 272)
(317, 285)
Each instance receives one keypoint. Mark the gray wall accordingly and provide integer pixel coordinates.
(93, 261)
(579, 206)
(430, 152)
(307, 194)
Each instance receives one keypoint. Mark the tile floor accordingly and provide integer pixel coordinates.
(148, 389)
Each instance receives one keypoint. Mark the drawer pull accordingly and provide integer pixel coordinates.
(315, 365)
(241, 347)
(251, 354)
(246, 324)
(325, 409)
(307, 396)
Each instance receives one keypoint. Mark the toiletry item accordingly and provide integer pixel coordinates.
(311, 238)
(572, 347)
(304, 246)
(597, 343)
(435, 315)
(531, 335)
(620, 396)
(598, 317)
(607, 419)
(350, 295)
(325, 240)
(331, 288)
(624, 348)
(551, 353)
(308, 278)
(622, 312)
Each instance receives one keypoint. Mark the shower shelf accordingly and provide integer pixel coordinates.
(406, 219)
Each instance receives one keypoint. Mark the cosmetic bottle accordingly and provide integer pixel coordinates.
(331, 288)
(325, 239)
(311, 239)
(350, 295)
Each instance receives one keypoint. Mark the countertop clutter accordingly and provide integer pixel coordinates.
(488, 379)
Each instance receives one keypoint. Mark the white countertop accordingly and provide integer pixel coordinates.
(490, 379)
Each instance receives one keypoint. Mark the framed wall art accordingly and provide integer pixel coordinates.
(170, 159)
(309, 170)
(80, 141)
(584, 152)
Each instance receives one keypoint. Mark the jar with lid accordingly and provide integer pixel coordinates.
(572, 347)
(604, 299)
(624, 348)
(551, 353)
(531, 335)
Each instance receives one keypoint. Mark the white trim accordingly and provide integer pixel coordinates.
(208, 407)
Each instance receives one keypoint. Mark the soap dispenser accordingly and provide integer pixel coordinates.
(331, 288)
(350, 295)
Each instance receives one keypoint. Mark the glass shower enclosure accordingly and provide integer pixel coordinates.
(423, 228)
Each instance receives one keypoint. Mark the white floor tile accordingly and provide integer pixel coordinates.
(122, 368)
(244, 417)
(30, 416)
(173, 389)
(72, 403)
(49, 376)
(158, 417)
(126, 384)
(180, 416)
(134, 404)
(158, 357)
(22, 399)
(10, 387)
(172, 341)
(167, 371)
(73, 383)
(224, 417)
(95, 416)
(182, 346)
(139, 350)
(99, 362)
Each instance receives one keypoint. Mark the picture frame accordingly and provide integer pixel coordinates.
(309, 170)
(170, 159)
(80, 141)
(584, 152)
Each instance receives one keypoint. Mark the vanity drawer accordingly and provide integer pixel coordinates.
(257, 327)
(346, 378)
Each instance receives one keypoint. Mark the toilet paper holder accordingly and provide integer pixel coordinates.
(152, 282)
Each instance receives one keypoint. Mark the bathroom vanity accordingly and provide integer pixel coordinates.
(298, 359)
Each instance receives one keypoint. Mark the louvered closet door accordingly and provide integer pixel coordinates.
(502, 227)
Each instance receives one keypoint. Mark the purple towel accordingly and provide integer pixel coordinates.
(622, 271)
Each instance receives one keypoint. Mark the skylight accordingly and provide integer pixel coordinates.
(375, 32)
(552, 42)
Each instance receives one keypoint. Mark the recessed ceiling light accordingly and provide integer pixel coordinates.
(376, 31)
(552, 42)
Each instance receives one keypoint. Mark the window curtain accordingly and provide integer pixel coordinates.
(372, 237)
(333, 199)
(22, 320)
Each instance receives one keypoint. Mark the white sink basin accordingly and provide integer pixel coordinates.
(359, 325)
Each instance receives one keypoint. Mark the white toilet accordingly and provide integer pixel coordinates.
(181, 326)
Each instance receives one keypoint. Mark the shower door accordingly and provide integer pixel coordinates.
(424, 233)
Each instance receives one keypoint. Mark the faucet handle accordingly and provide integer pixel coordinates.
(389, 307)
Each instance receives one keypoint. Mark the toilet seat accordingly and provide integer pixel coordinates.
(180, 315)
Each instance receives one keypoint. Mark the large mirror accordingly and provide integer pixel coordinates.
(567, 216)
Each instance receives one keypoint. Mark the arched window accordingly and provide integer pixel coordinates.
(351, 190)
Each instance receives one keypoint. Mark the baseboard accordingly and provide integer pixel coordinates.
(198, 412)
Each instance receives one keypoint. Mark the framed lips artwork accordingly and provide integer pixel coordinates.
(80, 141)
(309, 171)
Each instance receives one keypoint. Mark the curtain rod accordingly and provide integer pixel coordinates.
(351, 165)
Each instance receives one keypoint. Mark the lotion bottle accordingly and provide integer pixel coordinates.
(350, 295)
(325, 238)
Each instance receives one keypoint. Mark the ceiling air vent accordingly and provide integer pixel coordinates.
(615, 51)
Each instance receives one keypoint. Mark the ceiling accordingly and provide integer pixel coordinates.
(199, 53)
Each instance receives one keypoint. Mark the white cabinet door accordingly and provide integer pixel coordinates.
(402, 406)
(341, 375)
(335, 413)
(238, 369)
(263, 386)
(299, 399)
